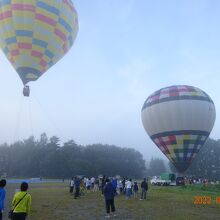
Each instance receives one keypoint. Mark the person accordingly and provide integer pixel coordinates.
(77, 187)
(2, 196)
(123, 185)
(81, 188)
(96, 185)
(128, 185)
(103, 183)
(84, 180)
(114, 183)
(109, 194)
(21, 203)
(119, 187)
(144, 189)
(71, 185)
(88, 184)
(135, 189)
(92, 182)
(100, 183)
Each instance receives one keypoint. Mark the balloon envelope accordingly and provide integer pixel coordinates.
(35, 34)
(179, 119)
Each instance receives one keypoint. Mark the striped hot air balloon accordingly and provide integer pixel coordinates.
(35, 34)
(179, 120)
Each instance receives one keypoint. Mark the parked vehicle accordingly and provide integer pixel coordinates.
(166, 179)
(180, 181)
(156, 180)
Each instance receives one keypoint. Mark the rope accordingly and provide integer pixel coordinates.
(47, 116)
(30, 117)
(27, 118)
(17, 125)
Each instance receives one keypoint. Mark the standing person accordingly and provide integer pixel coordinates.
(88, 184)
(21, 203)
(71, 185)
(103, 183)
(100, 183)
(144, 188)
(96, 185)
(135, 189)
(84, 180)
(92, 182)
(114, 183)
(81, 188)
(123, 185)
(2, 196)
(119, 187)
(77, 187)
(128, 186)
(109, 193)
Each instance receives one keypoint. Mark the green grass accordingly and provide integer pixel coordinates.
(52, 201)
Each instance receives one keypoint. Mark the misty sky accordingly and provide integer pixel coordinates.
(124, 51)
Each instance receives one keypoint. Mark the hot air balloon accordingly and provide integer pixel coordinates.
(35, 34)
(179, 120)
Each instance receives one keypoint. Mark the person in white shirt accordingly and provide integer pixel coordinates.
(92, 182)
(128, 185)
(119, 187)
(71, 185)
(88, 184)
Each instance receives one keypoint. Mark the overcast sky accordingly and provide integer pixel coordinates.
(124, 51)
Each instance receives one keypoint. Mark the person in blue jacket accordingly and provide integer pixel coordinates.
(2, 196)
(77, 187)
(109, 194)
(114, 184)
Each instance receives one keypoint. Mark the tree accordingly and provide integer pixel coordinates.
(55, 141)
(43, 158)
(43, 139)
(156, 167)
(3, 159)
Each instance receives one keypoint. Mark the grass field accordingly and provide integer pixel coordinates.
(52, 201)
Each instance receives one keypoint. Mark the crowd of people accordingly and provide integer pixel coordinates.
(109, 188)
(21, 203)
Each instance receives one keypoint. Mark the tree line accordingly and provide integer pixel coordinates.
(47, 158)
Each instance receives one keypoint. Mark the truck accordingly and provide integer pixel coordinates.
(165, 179)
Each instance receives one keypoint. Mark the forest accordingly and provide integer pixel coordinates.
(48, 158)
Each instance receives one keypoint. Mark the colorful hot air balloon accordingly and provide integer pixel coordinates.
(179, 119)
(35, 34)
